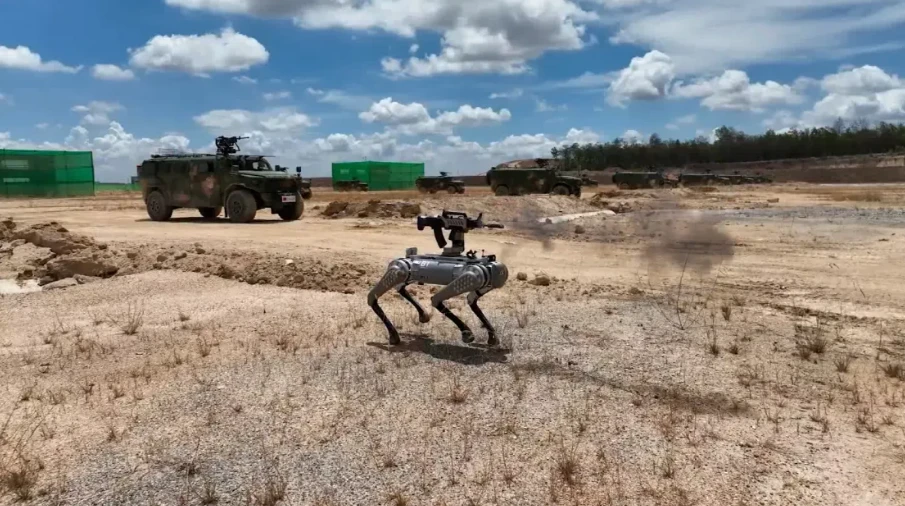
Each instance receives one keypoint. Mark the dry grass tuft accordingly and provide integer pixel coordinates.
(843, 363)
(133, 320)
(894, 370)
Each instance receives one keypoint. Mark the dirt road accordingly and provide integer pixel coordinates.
(697, 347)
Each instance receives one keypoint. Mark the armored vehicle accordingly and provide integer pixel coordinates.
(705, 179)
(352, 185)
(240, 185)
(634, 180)
(505, 181)
(443, 182)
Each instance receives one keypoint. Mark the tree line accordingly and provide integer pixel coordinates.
(732, 145)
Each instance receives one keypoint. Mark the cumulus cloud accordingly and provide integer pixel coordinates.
(23, 58)
(653, 76)
(734, 91)
(646, 78)
(414, 118)
(244, 80)
(228, 51)
(232, 121)
(108, 72)
(97, 112)
(477, 36)
(713, 35)
(632, 137)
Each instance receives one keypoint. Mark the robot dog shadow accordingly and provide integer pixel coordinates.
(475, 354)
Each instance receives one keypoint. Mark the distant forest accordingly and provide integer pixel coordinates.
(731, 145)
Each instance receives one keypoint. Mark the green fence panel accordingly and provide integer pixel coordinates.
(379, 175)
(30, 173)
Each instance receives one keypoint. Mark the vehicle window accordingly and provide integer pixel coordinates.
(259, 165)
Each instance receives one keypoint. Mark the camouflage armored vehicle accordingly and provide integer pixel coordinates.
(705, 179)
(352, 185)
(635, 180)
(504, 181)
(443, 182)
(240, 185)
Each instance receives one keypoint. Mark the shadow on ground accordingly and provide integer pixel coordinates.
(475, 354)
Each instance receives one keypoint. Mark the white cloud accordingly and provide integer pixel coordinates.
(227, 51)
(713, 35)
(413, 49)
(414, 118)
(340, 99)
(23, 58)
(734, 91)
(632, 137)
(653, 75)
(854, 93)
(234, 121)
(107, 72)
(97, 113)
(244, 80)
(646, 78)
(5, 99)
(279, 95)
(477, 36)
(542, 105)
(42, 126)
(516, 93)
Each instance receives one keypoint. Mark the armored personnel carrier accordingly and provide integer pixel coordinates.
(240, 185)
(443, 182)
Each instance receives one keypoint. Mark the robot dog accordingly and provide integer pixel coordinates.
(457, 273)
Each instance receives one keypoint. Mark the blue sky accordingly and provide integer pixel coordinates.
(315, 81)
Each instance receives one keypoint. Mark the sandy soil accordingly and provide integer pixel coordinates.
(709, 346)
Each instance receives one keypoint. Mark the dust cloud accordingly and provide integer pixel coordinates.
(687, 239)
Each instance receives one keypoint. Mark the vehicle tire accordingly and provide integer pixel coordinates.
(210, 213)
(462, 190)
(422, 189)
(501, 191)
(157, 207)
(561, 190)
(293, 213)
(432, 191)
(451, 190)
(241, 206)
(622, 186)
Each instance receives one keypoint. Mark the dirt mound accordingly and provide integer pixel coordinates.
(599, 201)
(372, 209)
(49, 253)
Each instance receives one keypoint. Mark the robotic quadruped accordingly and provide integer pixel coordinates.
(458, 273)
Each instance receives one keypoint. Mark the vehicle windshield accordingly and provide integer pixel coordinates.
(261, 164)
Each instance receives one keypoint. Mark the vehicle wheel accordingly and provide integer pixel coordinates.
(292, 213)
(501, 191)
(241, 206)
(432, 191)
(622, 186)
(577, 193)
(561, 190)
(158, 210)
(451, 189)
(210, 213)
(306, 195)
(422, 189)
(462, 190)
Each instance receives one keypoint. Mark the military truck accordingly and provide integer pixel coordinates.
(240, 185)
(629, 180)
(705, 179)
(443, 182)
(506, 181)
(352, 185)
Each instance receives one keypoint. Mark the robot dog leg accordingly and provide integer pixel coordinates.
(473, 304)
(471, 279)
(397, 274)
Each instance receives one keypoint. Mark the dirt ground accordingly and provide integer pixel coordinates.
(709, 346)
